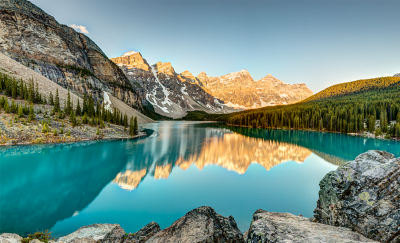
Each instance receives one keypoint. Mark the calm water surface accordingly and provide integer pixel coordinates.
(180, 166)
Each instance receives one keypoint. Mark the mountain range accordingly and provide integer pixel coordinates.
(71, 59)
(173, 94)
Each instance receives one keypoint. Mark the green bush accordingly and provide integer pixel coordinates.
(40, 235)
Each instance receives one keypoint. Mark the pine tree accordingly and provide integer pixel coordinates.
(55, 132)
(78, 109)
(57, 102)
(20, 112)
(51, 99)
(131, 127)
(98, 131)
(32, 115)
(68, 106)
(135, 126)
(44, 129)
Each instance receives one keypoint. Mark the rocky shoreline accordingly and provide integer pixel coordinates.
(358, 202)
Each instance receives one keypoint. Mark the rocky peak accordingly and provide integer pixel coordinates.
(271, 79)
(187, 74)
(164, 67)
(133, 60)
(396, 75)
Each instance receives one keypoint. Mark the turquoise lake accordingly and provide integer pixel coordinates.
(178, 167)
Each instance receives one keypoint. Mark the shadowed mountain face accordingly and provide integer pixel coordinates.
(58, 52)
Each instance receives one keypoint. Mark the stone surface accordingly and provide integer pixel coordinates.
(35, 241)
(286, 227)
(200, 225)
(241, 91)
(94, 231)
(363, 195)
(143, 234)
(171, 94)
(10, 238)
(58, 52)
(116, 235)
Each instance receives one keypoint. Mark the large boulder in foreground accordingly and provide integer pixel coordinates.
(200, 225)
(286, 227)
(363, 195)
(87, 233)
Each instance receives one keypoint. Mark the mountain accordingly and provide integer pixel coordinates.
(397, 75)
(239, 90)
(171, 94)
(68, 58)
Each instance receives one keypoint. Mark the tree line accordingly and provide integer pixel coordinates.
(89, 112)
(343, 111)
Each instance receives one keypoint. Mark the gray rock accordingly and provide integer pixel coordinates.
(10, 238)
(35, 241)
(200, 225)
(94, 231)
(144, 233)
(286, 227)
(363, 195)
(116, 235)
(396, 75)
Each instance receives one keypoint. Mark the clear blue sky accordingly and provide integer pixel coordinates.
(319, 43)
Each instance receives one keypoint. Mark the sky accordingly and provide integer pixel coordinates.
(316, 42)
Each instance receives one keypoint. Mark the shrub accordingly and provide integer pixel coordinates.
(40, 235)
(68, 133)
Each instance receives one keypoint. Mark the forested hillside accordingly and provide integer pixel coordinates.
(354, 87)
(340, 108)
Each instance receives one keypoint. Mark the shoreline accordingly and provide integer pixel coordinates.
(365, 135)
(77, 141)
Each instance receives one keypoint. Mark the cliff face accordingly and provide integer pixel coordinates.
(71, 59)
(239, 90)
(170, 93)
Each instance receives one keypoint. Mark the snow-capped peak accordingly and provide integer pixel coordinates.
(129, 53)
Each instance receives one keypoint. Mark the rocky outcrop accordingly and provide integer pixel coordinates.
(10, 238)
(363, 195)
(200, 225)
(116, 235)
(240, 90)
(396, 75)
(94, 231)
(58, 52)
(143, 234)
(286, 227)
(171, 94)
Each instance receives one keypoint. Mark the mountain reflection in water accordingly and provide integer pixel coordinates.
(183, 166)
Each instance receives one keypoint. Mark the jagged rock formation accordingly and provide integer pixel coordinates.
(58, 52)
(396, 75)
(286, 227)
(200, 225)
(144, 233)
(239, 90)
(171, 94)
(363, 195)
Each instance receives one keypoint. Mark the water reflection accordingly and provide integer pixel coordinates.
(47, 185)
(41, 185)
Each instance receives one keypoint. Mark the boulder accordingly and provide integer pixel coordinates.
(286, 227)
(144, 233)
(202, 224)
(94, 231)
(10, 238)
(363, 195)
(116, 235)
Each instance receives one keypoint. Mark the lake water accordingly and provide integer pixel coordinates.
(180, 166)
